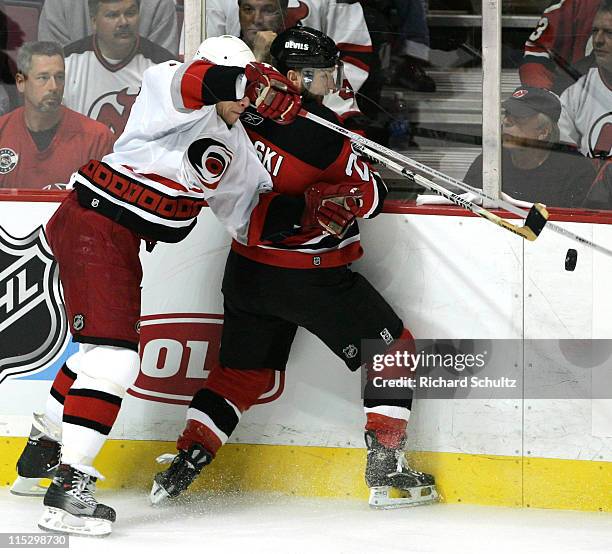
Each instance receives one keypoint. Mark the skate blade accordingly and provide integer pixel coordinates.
(60, 521)
(158, 494)
(30, 486)
(388, 497)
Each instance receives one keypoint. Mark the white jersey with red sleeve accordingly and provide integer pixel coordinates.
(146, 180)
(586, 115)
(564, 30)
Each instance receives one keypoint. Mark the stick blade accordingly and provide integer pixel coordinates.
(536, 220)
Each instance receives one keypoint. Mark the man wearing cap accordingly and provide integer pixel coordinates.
(532, 170)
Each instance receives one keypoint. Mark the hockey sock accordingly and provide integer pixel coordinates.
(57, 395)
(94, 400)
(388, 408)
(389, 431)
(388, 416)
(215, 410)
(89, 415)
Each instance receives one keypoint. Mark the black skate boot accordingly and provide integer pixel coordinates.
(393, 484)
(71, 508)
(39, 459)
(185, 467)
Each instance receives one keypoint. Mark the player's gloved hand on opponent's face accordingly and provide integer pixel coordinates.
(272, 93)
(332, 207)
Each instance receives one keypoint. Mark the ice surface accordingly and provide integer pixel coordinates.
(271, 523)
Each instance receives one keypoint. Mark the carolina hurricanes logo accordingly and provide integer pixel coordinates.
(519, 93)
(113, 109)
(295, 15)
(600, 137)
(210, 159)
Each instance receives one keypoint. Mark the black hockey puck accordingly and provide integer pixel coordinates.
(570, 259)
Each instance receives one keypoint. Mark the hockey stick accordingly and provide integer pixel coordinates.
(535, 219)
(358, 139)
(529, 231)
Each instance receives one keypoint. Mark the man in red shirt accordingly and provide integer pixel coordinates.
(43, 142)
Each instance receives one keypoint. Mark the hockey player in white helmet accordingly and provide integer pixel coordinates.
(182, 144)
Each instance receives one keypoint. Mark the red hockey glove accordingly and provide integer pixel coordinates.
(272, 93)
(332, 207)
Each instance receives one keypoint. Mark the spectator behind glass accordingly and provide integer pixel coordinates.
(8, 91)
(343, 22)
(66, 21)
(414, 35)
(104, 71)
(531, 169)
(260, 22)
(43, 143)
(561, 39)
(587, 115)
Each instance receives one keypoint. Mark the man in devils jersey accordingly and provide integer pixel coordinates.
(296, 274)
(585, 116)
(104, 70)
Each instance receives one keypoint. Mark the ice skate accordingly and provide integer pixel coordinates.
(71, 508)
(39, 459)
(393, 484)
(185, 467)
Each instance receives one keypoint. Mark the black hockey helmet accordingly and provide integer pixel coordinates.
(299, 47)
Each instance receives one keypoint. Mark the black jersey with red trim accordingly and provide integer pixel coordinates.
(297, 156)
(103, 89)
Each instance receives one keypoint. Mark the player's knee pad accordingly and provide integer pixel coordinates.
(110, 369)
(242, 387)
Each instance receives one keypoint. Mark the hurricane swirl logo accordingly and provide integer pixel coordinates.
(209, 160)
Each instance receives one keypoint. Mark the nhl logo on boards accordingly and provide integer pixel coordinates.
(33, 326)
(8, 160)
(78, 322)
(350, 351)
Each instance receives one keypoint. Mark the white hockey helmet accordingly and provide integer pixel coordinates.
(225, 50)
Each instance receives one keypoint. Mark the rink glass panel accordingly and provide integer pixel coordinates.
(66, 22)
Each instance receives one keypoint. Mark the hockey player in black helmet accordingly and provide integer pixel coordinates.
(298, 274)
(310, 59)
